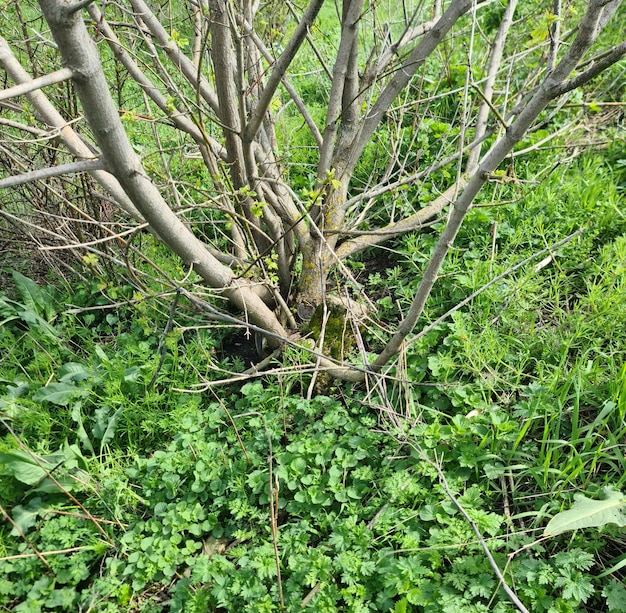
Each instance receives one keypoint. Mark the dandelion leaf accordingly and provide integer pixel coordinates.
(588, 513)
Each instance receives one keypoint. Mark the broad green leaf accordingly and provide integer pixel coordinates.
(36, 322)
(57, 393)
(74, 459)
(105, 427)
(62, 483)
(615, 594)
(26, 468)
(8, 311)
(83, 437)
(7, 308)
(6, 320)
(33, 296)
(21, 468)
(34, 470)
(29, 291)
(25, 517)
(74, 371)
(588, 513)
(100, 353)
(17, 389)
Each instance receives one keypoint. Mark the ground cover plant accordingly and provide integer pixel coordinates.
(154, 457)
(129, 498)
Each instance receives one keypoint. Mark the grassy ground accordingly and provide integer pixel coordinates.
(120, 495)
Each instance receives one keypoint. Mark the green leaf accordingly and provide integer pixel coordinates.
(34, 470)
(588, 513)
(26, 468)
(74, 371)
(615, 594)
(37, 322)
(111, 427)
(30, 292)
(25, 517)
(100, 353)
(6, 320)
(8, 311)
(57, 393)
(83, 437)
(401, 606)
(105, 427)
(74, 458)
(494, 471)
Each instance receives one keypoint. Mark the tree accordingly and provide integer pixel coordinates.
(217, 79)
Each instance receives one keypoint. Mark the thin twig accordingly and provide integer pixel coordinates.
(481, 541)
(232, 421)
(24, 88)
(161, 350)
(39, 554)
(115, 236)
(24, 538)
(309, 596)
(54, 171)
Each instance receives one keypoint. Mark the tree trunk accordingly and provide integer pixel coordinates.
(80, 54)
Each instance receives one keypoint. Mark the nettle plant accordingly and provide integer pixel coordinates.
(266, 144)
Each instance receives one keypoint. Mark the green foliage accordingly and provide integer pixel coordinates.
(181, 486)
(588, 513)
(142, 498)
(27, 586)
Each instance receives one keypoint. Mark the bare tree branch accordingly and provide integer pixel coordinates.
(336, 103)
(495, 58)
(555, 36)
(227, 94)
(548, 90)
(405, 225)
(55, 171)
(79, 52)
(178, 58)
(55, 120)
(392, 51)
(78, 6)
(139, 76)
(50, 79)
(38, 132)
(607, 60)
(287, 84)
(280, 68)
(401, 79)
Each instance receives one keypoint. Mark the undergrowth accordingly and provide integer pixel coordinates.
(121, 493)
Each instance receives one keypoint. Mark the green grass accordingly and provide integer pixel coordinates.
(154, 494)
(131, 497)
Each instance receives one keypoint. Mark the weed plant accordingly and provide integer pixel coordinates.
(122, 494)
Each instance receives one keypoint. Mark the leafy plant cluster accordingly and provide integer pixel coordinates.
(361, 519)
(126, 496)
